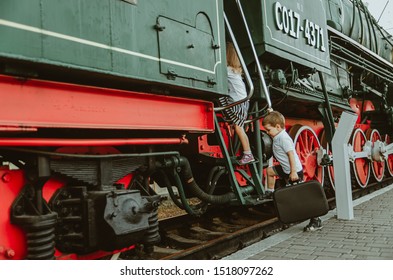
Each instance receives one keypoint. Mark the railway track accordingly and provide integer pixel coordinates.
(212, 236)
(219, 233)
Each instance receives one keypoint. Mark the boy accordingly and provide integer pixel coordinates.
(290, 168)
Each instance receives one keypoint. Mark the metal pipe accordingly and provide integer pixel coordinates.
(183, 198)
(258, 144)
(168, 185)
(383, 70)
(362, 66)
(89, 156)
(260, 72)
(328, 107)
(362, 48)
(53, 142)
(244, 66)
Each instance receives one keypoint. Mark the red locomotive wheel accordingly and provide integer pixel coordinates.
(361, 166)
(306, 145)
(377, 167)
(389, 160)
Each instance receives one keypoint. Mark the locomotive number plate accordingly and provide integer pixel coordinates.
(297, 31)
(290, 22)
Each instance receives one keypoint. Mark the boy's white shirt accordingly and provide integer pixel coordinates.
(282, 144)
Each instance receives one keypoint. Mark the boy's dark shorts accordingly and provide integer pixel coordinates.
(280, 172)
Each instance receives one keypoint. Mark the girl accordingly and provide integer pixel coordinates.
(237, 91)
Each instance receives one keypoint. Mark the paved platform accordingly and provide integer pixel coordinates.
(369, 236)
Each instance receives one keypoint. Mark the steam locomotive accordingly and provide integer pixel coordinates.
(109, 103)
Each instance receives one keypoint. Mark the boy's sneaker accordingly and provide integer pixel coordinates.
(247, 158)
(268, 195)
(314, 225)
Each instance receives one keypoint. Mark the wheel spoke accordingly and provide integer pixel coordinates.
(389, 160)
(377, 167)
(306, 143)
(361, 166)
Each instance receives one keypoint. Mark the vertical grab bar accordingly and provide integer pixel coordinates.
(245, 70)
(264, 87)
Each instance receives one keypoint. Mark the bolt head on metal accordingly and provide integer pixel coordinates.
(6, 177)
(10, 253)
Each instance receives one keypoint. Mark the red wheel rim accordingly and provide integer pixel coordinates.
(389, 160)
(361, 166)
(306, 145)
(377, 167)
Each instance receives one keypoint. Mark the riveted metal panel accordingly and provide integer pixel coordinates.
(191, 47)
(296, 30)
(291, 30)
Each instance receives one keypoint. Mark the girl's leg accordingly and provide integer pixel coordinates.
(247, 154)
(243, 138)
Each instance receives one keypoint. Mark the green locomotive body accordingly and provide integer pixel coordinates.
(110, 103)
(176, 44)
(352, 19)
(285, 30)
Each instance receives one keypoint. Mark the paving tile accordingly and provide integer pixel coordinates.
(369, 236)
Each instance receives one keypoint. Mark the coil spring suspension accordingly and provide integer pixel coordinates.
(40, 233)
(32, 214)
(152, 235)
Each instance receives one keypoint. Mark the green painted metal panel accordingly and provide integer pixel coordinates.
(119, 38)
(186, 44)
(293, 30)
(14, 40)
(297, 28)
(75, 18)
(350, 18)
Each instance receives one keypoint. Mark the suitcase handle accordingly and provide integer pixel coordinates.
(292, 183)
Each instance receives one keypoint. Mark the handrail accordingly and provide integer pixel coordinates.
(244, 66)
(264, 87)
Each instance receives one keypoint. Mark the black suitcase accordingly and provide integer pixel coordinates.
(301, 201)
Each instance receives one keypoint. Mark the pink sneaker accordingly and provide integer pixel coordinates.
(246, 158)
